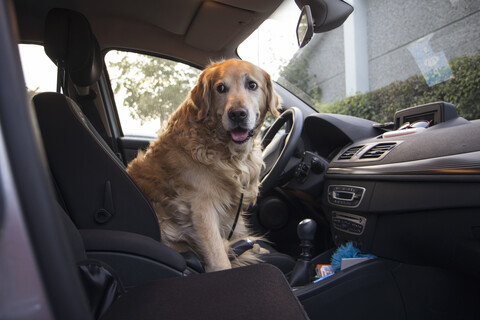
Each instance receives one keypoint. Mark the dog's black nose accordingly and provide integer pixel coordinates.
(238, 115)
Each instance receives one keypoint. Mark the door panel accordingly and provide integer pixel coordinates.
(129, 147)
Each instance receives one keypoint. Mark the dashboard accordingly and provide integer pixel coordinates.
(411, 196)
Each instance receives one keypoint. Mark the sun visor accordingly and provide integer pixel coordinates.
(215, 25)
(252, 5)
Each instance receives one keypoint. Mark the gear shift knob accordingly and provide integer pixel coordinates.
(306, 233)
(302, 273)
(306, 229)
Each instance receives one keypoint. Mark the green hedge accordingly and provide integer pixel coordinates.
(463, 90)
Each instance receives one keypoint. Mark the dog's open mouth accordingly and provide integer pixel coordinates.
(240, 135)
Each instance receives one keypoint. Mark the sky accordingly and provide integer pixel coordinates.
(275, 41)
(39, 70)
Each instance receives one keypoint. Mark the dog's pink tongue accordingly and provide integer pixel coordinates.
(239, 135)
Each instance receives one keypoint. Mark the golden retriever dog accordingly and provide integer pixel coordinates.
(206, 157)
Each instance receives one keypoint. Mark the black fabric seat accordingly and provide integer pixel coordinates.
(259, 291)
(254, 292)
(92, 182)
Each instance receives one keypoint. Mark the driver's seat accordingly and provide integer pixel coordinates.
(91, 181)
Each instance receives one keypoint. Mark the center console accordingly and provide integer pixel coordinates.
(404, 195)
(347, 210)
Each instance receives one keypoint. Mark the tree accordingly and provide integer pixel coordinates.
(153, 87)
(296, 77)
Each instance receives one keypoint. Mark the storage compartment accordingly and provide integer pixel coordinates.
(382, 289)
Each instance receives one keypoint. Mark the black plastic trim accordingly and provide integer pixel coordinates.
(53, 255)
(459, 164)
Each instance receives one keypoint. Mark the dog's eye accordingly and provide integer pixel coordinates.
(221, 88)
(252, 85)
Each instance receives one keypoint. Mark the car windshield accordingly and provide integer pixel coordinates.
(388, 55)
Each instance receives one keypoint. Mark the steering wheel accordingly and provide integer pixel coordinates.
(279, 146)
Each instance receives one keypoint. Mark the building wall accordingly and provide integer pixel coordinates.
(392, 28)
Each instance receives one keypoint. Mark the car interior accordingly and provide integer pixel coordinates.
(93, 247)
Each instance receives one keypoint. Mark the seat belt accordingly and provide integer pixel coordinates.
(90, 110)
(87, 105)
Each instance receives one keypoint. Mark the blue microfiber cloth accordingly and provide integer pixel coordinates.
(347, 250)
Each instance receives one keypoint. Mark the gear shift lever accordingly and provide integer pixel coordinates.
(303, 271)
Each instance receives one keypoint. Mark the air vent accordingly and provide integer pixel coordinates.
(349, 153)
(378, 150)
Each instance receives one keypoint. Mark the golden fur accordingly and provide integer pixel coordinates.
(195, 172)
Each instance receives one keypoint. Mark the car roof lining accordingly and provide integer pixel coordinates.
(193, 30)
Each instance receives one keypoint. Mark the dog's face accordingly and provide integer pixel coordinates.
(236, 95)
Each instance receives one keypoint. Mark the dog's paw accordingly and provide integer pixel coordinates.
(259, 250)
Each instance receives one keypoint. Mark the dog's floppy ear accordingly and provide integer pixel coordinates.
(273, 99)
(201, 94)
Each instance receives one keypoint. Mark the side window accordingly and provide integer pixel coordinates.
(147, 89)
(39, 71)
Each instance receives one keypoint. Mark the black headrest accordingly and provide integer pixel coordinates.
(70, 43)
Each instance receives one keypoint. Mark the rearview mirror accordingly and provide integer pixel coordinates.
(305, 27)
(320, 16)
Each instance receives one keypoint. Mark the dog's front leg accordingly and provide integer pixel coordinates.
(209, 240)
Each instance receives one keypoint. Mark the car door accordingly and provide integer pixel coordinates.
(37, 273)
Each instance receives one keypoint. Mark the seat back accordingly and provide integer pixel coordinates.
(92, 183)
